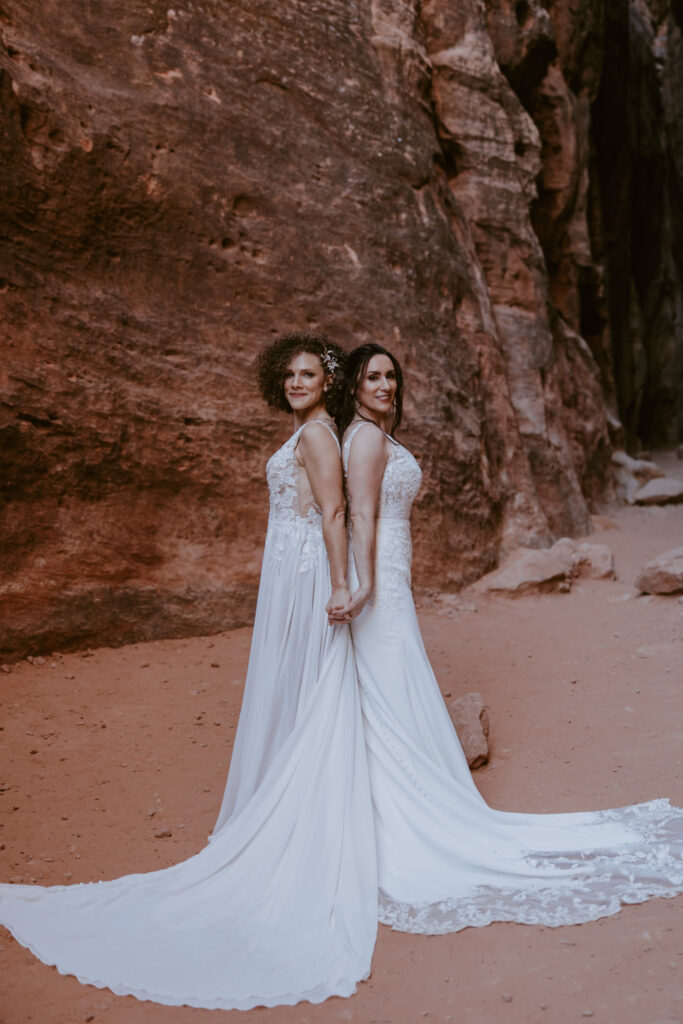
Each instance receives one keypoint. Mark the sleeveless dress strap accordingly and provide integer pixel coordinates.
(326, 424)
(351, 433)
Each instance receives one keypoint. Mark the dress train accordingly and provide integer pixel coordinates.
(281, 905)
(445, 859)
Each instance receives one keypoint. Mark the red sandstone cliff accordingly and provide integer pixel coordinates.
(449, 178)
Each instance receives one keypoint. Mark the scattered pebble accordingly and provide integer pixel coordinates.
(215, 664)
(506, 997)
(164, 833)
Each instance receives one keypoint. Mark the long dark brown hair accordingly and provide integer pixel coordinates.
(356, 369)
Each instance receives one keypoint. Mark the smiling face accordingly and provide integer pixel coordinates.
(377, 390)
(304, 385)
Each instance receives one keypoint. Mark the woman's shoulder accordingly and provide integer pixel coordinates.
(318, 434)
(367, 440)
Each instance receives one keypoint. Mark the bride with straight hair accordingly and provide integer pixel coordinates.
(445, 859)
(281, 906)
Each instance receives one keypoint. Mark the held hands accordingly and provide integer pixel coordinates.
(352, 607)
(339, 599)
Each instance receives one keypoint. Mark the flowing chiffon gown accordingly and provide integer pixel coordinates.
(445, 859)
(281, 905)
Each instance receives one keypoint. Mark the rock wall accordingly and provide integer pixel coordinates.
(180, 184)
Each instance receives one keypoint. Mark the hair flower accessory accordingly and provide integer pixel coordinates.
(329, 360)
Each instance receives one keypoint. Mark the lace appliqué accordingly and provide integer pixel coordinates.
(400, 485)
(590, 884)
(393, 560)
(288, 530)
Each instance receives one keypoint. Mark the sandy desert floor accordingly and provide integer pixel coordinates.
(106, 749)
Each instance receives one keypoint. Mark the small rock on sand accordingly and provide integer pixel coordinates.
(594, 560)
(664, 491)
(630, 474)
(528, 570)
(662, 575)
(525, 571)
(470, 718)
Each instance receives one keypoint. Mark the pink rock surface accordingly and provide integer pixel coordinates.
(179, 184)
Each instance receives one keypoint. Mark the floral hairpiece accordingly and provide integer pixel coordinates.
(329, 360)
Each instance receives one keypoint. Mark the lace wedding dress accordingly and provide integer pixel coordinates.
(282, 904)
(447, 860)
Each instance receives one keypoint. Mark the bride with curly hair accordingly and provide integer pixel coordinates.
(281, 906)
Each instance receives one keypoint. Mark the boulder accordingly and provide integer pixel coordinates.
(662, 575)
(593, 560)
(631, 474)
(470, 719)
(664, 491)
(526, 571)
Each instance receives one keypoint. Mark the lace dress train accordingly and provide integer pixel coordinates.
(446, 860)
(281, 905)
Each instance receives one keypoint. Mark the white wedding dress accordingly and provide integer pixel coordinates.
(326, 807)
(281, 905)
(445, 859)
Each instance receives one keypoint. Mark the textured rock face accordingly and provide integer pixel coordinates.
(179, 184)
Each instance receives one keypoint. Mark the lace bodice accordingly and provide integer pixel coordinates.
(393, 550)
(294, 518)
(401, 481)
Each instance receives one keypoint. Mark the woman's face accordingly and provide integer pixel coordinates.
(304, 383)
(377, 390)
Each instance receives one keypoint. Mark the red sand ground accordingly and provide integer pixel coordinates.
(107, 748)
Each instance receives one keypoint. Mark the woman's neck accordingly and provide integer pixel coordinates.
(364, 415)
(319, 412)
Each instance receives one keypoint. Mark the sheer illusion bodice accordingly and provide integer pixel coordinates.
(282, 904)
(447, 860)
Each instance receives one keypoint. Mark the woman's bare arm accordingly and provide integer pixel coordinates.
(367, 461)
(322, 463)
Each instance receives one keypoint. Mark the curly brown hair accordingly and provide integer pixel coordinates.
(272, 363)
